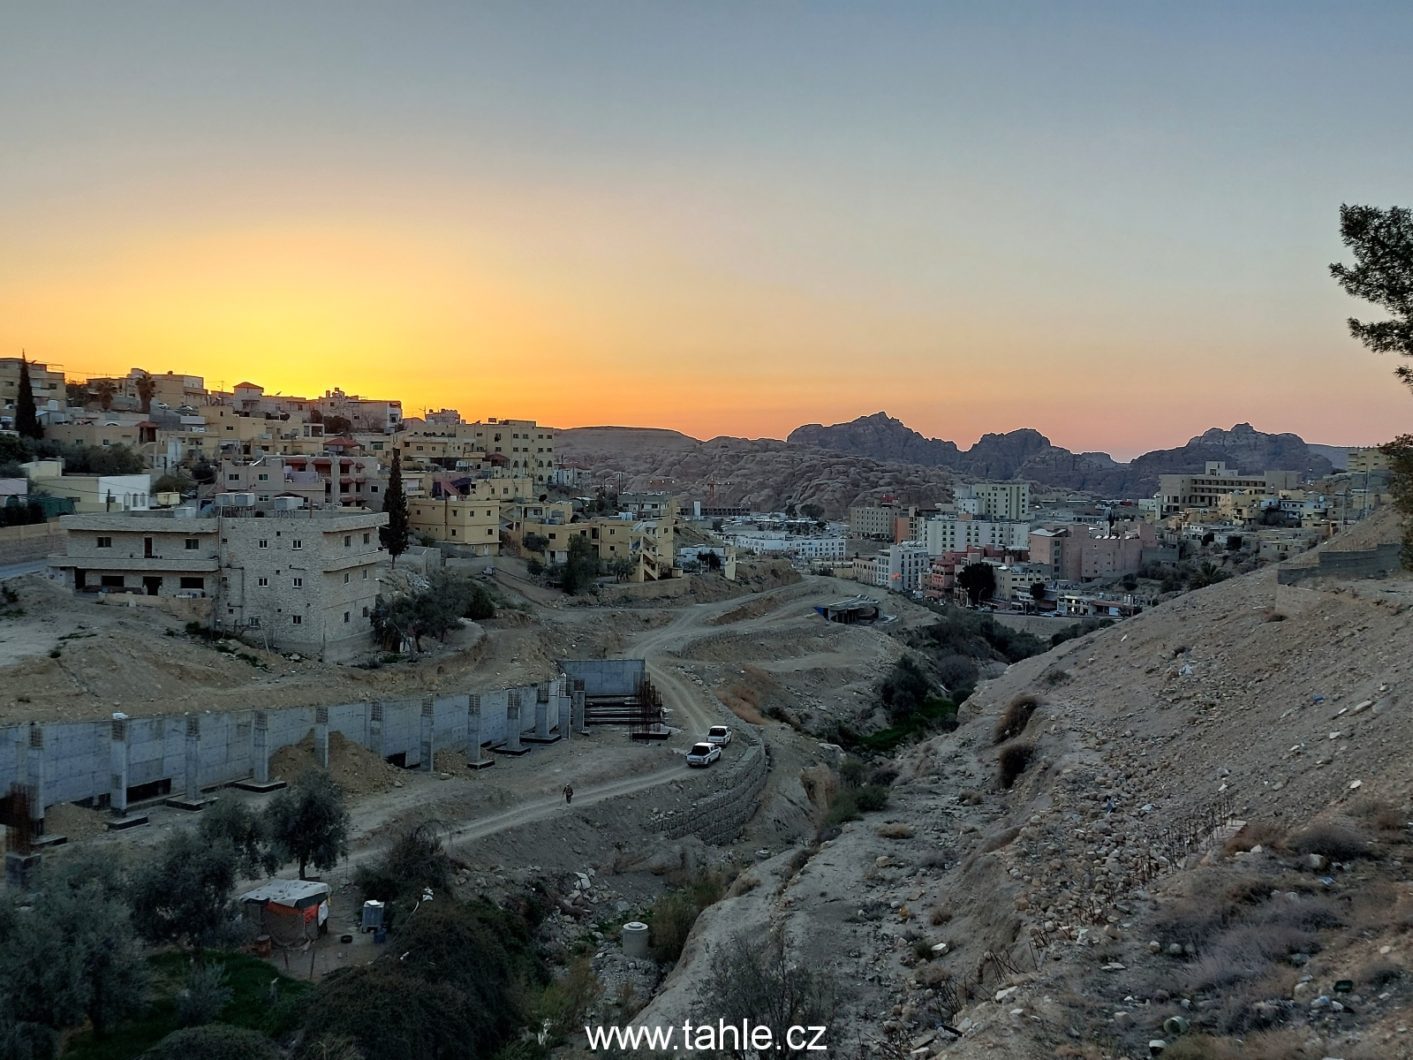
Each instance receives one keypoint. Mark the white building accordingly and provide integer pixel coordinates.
(908, 564)
(952, 534)
(821, 549)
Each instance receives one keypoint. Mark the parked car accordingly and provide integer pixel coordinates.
(720, 735)
(703, 754)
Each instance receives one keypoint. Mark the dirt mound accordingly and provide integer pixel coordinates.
(354, 768)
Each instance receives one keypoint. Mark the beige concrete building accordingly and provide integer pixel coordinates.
(470, 523)
(648, 543)
(873, 520)
(1362, 461)
(998, 501)
(295, 579)
(46, 384)
(1180, 492)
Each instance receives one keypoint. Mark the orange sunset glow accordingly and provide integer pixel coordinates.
(498, 223)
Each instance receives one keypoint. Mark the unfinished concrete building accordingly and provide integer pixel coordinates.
(295, 578)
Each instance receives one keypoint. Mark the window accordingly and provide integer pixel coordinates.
(299, 583)
(192, 544)
(297, 620)
(263, 477)
(345, 616)
(263, 581)
(105, 542)
(193, 583)
(296, 543)
(367, 538)
(264, 542)
(365, 612)
(365, 575)
(347, 540)
(345, 578)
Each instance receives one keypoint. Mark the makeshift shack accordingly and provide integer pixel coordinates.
(289, 911)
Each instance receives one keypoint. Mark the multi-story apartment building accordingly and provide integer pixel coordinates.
(873, 520)
(951, 533)
(296, 579)
(1000, 501)
(1362, 461)
(1084, 553)
(46, 385)
(471, 523)
(528, 448)
(1177, 493)
(907, 564)
(648, 543)
(381, 415)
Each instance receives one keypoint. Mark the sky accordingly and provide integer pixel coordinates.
(1108, 221)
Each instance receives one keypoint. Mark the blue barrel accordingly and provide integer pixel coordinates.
(380, 934)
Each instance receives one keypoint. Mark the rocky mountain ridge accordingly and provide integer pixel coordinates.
(877, 456)
(1028, 454)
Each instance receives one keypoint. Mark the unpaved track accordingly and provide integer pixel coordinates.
(532, 810)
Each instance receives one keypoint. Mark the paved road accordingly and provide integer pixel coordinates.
(16, 570)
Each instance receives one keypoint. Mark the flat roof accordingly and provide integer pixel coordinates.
(286, 892)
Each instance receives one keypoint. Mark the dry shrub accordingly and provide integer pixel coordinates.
(1336, 839)
(1274, 616)
(1265, 834)
(970, 797)
(1011, 762)
(745, 882)
(934, 974)
(1379, 973)
(743, 701)
(800, 858)
(1014, 718)
(895, 830)
(939, 915)
(1380, 815)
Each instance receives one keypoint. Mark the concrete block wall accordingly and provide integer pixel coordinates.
(606, 677)
(78, 763)
(1347, 563)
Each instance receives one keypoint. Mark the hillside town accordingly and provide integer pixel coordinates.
(136, 482)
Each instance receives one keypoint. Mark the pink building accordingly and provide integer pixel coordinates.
(1075, 554)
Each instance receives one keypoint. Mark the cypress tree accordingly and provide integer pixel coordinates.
(394, 536)
(26, 417)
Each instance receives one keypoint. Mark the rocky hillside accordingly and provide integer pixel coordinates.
(1192, 827)
(1028, 454)
(762, 474)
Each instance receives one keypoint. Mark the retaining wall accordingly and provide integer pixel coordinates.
(75, 760)
(606, 677)
(720, 816)
(1346, 563)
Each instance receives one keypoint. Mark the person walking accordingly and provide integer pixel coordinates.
(568, 794)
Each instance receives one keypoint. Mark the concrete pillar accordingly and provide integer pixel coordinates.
(193, 758)
(580, 721)
(473, 728)
(542, 699)
(563, 705)
(34, 779)
(321, 736)
(118, 785)
(375, 728)
(512, 720)
(429, 733)
(260, 747)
